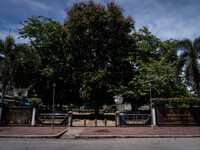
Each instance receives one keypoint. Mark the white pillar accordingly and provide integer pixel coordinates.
(117, 118)
(69, 118)
(0, 112)
(154, 116)
(33, 117)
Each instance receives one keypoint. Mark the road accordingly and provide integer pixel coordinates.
(100, 144)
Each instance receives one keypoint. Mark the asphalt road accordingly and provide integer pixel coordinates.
(100, 144)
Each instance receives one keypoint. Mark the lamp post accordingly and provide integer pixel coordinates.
(151, 105)
(54, 86)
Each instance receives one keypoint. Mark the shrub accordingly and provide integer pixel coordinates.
(35, 101)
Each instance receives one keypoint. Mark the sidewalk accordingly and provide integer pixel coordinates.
(140, 132)
(99, 132)
(31, 132)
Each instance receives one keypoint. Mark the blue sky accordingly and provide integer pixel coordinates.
(166, 19)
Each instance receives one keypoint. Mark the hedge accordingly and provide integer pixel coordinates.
(177, 102)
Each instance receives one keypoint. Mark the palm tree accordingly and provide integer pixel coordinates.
(7, 57)
(189, 61)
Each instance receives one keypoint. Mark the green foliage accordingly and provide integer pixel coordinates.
(8, 59)
(35, 101)
(48, 38)
(97, 54)
(152, 62)
(27, 66)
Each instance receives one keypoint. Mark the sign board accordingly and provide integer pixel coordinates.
(178, 116)
(20, 93)
(118, 99)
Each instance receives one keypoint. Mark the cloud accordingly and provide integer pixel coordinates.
(32, 4)
(167, 19)
(13, 33)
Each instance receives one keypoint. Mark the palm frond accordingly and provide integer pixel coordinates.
(196, 45)
(188, 73)
(183, 60)
(9, 44)
(185, 45)
(1, 47)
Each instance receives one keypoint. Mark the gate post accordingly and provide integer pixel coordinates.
(33, 117)
(95, 122)
(1, 110)
(69, 114)
(153, 115)
(117, 118)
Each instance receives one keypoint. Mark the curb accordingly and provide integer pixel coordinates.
(34, 136)
(136, 136)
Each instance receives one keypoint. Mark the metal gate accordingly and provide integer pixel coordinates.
(135, 119)
(46, 118)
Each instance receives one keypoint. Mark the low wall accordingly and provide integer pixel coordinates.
(16, 115)
(178, 116)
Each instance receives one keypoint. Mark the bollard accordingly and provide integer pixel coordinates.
(84, 122)
(105, 122)
(95, 122)
(117, 118)
(70, 118)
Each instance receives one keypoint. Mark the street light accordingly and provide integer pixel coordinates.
(54, 86)
(151, 105)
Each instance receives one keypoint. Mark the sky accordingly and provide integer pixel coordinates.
(176, 19)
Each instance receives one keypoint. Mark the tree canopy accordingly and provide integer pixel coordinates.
(99, 41)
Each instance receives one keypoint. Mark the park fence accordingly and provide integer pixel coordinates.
(22, 115)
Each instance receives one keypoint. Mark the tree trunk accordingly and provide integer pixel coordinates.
(198, 90)
(133, 106)
(96, 108)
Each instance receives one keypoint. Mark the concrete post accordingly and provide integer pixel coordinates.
(0, 111)
(33, 117)
(70, 118)
(84, 122)
(95, 122)
(117, 118)
(153, 115)
(105, 122)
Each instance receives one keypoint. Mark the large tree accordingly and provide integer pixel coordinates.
(49, 41)
(100, 41)
(189, 61)
(153, 62)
